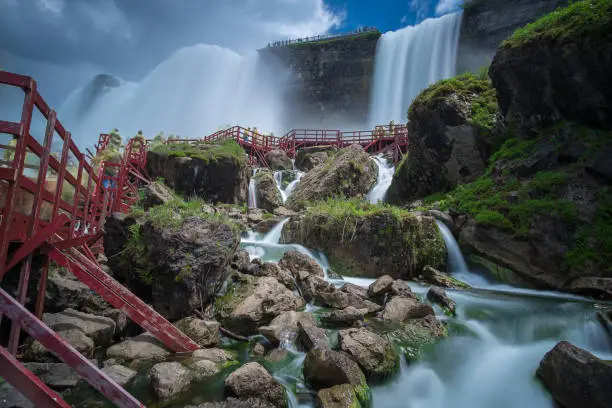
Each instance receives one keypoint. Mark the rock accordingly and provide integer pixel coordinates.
(253, 381)
(438, 295)
(435, 277)
(575, 377)
(350, 173)
(371, 244)
(120, 374)
(376, 356)
(310, 337)
(55, 375)
(386, 287)
(205, 333)
(252, 302)
(597, 287)
(258, 350)
(401, 309)
(278, 160)
(355, 290)
(120, 319)
(116, 235)
(325, 368)
(142, 347)
(284, 327)
(264, 226)
(345, 317)
(169, 379)
(283, 212)
(295, 261)
(324, 293)
(213, 354)
(100, 329)
(307, 158)
(241, 259)
(202, 369)
(75, 337)
(568, 72)
(268, 196)
(446, 148)
(236, 403)
(220, 177)
(414, 335)
(275, 271)
(442, 216)
(277, 355)
(63, 292)
(188, 262)
(338, 396)
(157, 193)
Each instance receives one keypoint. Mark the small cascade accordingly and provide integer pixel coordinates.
(456, 262)
(286, 192)
(252, 199)
(386, 170)
(274, 235)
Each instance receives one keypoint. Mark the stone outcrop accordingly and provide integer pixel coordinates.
(376, 356)
(268, 196)
(575, 377)
(296, 262)
(349, 316)
(278, 160)
(438, 295)
(253, 381)
(307, 158)
(349, 173)
(448, 142)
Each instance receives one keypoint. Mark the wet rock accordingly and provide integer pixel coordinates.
(284, 327)
(277, 355)
(169, 379)
(338, 396)
(355, 290)
(203, 332)
(100, 329)
(310, 337)
(268, 196)
(202, 369)
(401, 309)
(386, 287)
(597, 287)
(258, 350)
(325, 294)
(236, 403)
(438, 295)
(413, 336)
(75, 337)
(435, 277)
(252, 302)
(343, 318)
(350, 173)
(575, 377)
(142, 347)
(325, 368)
(275, 271)
(376, 356)
(295, 261)
(120, 374)
(253, 381)
(55, 375)
(213, 354)
(307, 158)
(266, 225)
(278, 160)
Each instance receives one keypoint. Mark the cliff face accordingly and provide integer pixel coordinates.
(486, 23)
(331, 80)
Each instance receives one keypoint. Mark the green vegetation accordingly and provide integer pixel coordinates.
(587, 18)
(207, 152)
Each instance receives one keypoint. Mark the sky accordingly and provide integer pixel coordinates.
(64, 43)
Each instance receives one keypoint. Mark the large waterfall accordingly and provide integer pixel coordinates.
(407, 61)
(194, 92)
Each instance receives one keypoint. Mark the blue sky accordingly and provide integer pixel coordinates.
(388, 15)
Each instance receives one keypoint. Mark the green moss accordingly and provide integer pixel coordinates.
(582, 19)
(239, 287)
(206, 152)
(364, 394)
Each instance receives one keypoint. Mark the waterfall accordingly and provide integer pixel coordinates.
(385, 176)
(286, 192)
(456, 262)
(252, 198)
(407, 61)
(273, 236)
(194, 92)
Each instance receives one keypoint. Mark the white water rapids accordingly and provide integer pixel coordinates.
(494, 346)
(407, 61)
(286, 192)
(385, 176)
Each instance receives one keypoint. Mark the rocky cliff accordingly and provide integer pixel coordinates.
(331, 79)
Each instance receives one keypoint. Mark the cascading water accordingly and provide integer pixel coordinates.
(252, 197)
(407, 61)
(385, 176)
(196, 91)
(286, 192)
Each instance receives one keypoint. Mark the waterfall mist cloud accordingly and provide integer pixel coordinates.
(447, 6)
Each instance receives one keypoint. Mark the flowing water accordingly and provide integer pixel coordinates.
(252, 197)
(494, 346)
(287, 190)
(385, 176)
(407, 61)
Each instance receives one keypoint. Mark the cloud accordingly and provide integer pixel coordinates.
(446, 6)
(404, 19)
(129, 38)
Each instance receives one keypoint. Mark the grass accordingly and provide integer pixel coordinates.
(581, 19)
(227, 149)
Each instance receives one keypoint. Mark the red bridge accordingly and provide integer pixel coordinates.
(55, 209)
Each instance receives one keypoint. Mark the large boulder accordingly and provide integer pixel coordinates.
(575, 377)
(203, 332)
(278, 160)
(119, 374)
(56, 375)
(338, 396)
(177, 259)
(251, 302)
(376, 356)
(253, 381)
(558, 69)
(284, 327)
(295, 261)
(386, 287)
(169, 379)
(326, 294)
(350, 173)
(311, 337)
(142, 348)
(368, 240)
(401, 309)
(308, 158)
(100, 329)
(75, 337)
(220, 173)
(268, 196)
(346, 317)
(448, 144)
